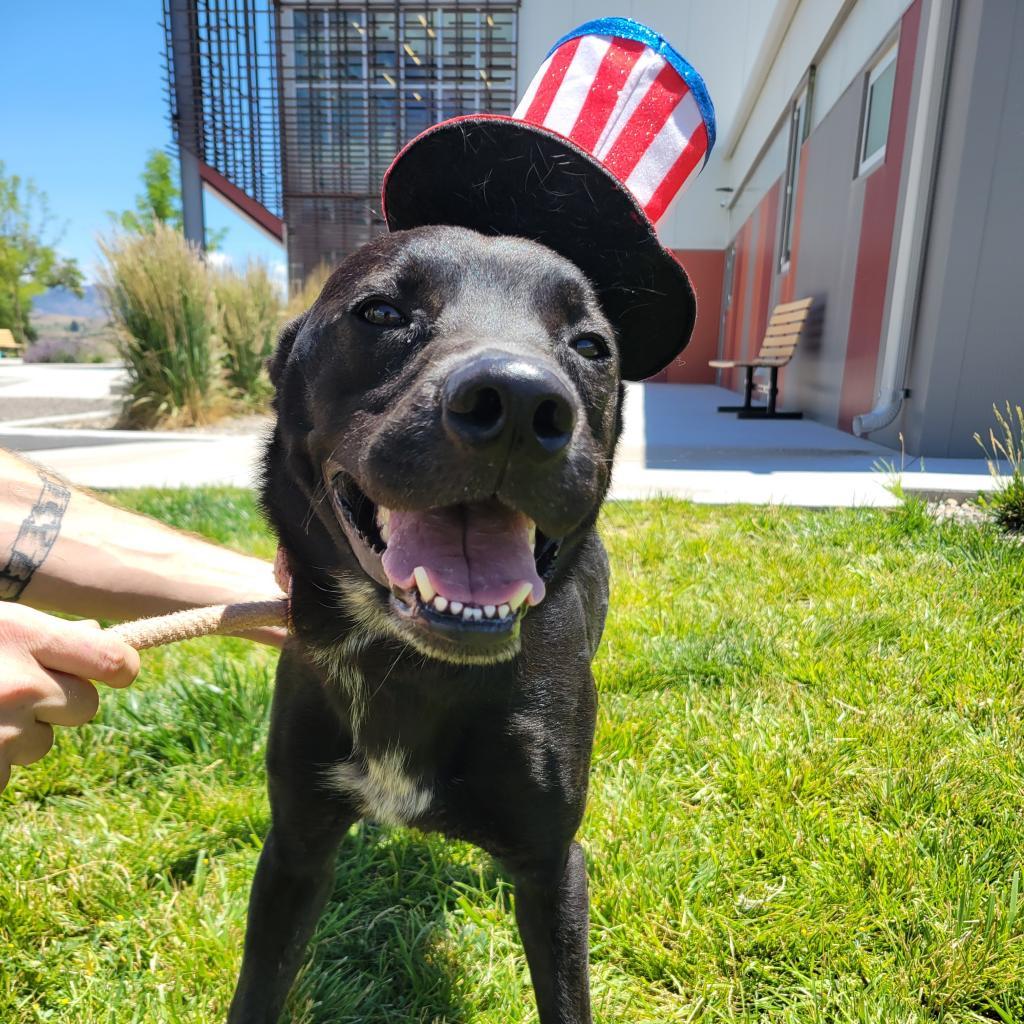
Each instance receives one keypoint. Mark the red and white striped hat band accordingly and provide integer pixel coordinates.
(618, 91)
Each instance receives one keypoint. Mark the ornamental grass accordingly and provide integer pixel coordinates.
(160, 297)
(249, 308)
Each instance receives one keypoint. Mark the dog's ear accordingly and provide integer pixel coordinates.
(285, 340)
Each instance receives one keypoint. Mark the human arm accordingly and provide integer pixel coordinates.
(65, 551)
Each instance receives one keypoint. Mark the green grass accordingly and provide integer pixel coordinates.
(806, 803)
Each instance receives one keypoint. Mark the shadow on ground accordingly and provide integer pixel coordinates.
(381, 953)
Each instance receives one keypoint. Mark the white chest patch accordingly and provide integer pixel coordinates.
(382, 788)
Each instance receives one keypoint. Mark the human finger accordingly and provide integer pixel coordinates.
(66, 700)
(87, 653)
(31, 743)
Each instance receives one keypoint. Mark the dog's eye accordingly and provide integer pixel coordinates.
(381, 314)
(590, 347)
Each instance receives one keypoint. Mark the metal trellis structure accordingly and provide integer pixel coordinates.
(293, 109)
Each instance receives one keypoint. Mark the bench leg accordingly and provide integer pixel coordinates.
(748, 391)
(769, 412)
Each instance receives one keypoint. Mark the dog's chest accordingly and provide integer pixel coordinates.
(382, 787)
(380, 783)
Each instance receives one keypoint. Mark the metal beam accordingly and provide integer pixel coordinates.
(187, 116)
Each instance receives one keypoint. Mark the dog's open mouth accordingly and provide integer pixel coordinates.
(473, 567)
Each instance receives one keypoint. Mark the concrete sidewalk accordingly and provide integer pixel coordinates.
(674, 443)
(44, 394)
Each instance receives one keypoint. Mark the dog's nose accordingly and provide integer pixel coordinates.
(493, 400)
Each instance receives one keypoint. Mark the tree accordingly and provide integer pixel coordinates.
(160, 202)
(29, 264)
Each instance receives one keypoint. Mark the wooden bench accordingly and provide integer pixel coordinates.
(784, 330)
(9, 348)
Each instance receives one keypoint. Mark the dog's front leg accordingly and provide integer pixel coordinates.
(292, 883)
(296, 867)
(551, 911)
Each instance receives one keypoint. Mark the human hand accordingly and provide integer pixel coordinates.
(45, 667)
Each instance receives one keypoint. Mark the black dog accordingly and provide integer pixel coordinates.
(447, 415)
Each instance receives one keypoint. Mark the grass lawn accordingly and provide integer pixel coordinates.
(807, 803)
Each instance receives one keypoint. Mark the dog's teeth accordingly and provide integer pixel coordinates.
(423, 584)
(504, 610)
(532, 533)
(478, 614)
(524, 591)
(489, 610)
(467, 615)
(455, 607)
(383, 523)
(441, 603)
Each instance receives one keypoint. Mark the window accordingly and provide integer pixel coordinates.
(799, 120)
(877, 108)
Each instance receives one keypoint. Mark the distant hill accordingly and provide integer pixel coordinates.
(61, 302)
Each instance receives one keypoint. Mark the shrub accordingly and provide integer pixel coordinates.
(68, 350)
(311, 288)
(1005, 448)
(159, 293)
(250, 309)
(52, 350)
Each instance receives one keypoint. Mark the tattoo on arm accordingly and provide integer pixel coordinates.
(36, 537)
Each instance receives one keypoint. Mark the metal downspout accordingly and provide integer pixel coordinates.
(916, 220)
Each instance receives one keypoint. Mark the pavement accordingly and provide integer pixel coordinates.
(674, 443)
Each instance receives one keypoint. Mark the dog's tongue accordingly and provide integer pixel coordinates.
(478, 554)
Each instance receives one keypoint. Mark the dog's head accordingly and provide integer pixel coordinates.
(447, 415)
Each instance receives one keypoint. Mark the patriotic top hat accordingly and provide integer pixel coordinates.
(612, 127)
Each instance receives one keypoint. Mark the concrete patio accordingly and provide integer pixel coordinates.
(674, 443)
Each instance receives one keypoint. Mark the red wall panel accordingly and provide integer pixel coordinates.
(768, 212)
(753, 273)
(878, 223)
(706, 268)
(733, 344)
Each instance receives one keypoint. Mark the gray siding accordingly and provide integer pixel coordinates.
(969, 342)
(833, 202)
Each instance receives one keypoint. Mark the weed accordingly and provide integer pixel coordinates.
(1005, 448)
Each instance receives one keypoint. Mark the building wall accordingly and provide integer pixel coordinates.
(843, 235)
(706, 269)
(840, 38)
(968, 348)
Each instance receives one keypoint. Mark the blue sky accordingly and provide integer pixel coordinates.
(82, 105)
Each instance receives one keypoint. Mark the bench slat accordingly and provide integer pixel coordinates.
(787, 318)
(786, 307)
(770, 359)
(783, 330)
(781, 337)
